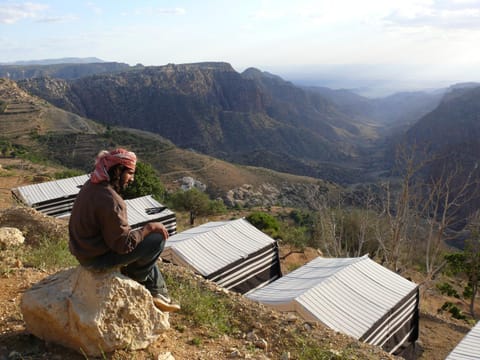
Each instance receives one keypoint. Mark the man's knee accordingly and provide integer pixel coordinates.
(154, 241)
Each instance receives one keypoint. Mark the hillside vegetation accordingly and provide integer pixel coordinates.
(214, 324)
(46, 133)
(252, 118)
(408, 218)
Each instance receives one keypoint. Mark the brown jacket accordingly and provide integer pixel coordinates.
(99, 224)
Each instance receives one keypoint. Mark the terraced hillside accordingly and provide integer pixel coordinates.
(24, 115)
(52, 134)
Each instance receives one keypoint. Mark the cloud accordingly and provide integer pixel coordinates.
(56, 19)
(95, 8)
(13, 12)
(459, 14)
(165, 11)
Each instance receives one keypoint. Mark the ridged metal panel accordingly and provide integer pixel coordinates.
(146, 209)
(36, 194)
(301, 280)
(349, 295)
(56, 198)
(138, 210)
(210, 247)
(469, 347)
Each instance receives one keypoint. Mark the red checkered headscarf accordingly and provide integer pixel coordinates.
(106, 159)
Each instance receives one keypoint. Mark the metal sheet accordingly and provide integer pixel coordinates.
(348, 294)
(210, 247)
(469, 347)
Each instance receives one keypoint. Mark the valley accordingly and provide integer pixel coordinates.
(259, 143)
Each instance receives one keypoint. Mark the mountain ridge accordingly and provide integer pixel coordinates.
(29, 125)
(213, 109)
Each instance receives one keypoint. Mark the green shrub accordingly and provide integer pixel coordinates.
(65, 174)
(202, 307)
(453, 310)
(447, 289)
(264, 222)
(295, 236)
(468, 291)
(146, 182)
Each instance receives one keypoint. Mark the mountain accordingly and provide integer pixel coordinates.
(61, 70)
(69, 60)
(392, 113)
(446, 143)
(454, 124)
(34, 129)
(211, 108)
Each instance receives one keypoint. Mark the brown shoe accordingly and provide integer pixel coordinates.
(164, 303)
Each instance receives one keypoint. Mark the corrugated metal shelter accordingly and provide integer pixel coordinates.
(53, 198)
(469, 347)
(233, 254)
(56, 198)
(146, 209)
(355, 296)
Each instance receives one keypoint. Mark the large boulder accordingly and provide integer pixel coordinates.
(10, 236)
(92, 312)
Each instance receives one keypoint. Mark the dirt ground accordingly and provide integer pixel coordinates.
(439, 334)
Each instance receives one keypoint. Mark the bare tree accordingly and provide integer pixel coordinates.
(447, 194)
(400, 208)
(423, 209)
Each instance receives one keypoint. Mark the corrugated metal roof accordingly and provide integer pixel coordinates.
(145, 209)
(349, 294)
(469, 347)
(212, 246)
(38, 193)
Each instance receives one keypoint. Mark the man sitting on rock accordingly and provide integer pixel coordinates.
(100, 237)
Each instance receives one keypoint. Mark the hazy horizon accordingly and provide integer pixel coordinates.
(407, 45)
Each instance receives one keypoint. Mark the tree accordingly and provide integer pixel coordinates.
(468, 261)
(193, 201)
(343, 231)
(446, 196)
(424, 207)
(146, 182)
(264, 222)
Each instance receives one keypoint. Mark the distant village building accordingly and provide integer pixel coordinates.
(355, 296)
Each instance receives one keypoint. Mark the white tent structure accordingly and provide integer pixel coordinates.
(146, 209)
(469, 347)
(233, 254)
(56, 198)
(355, 296)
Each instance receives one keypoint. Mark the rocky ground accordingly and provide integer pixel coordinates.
(268, 337)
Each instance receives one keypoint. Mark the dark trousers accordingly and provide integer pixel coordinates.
(139, 265)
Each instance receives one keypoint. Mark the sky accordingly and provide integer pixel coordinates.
(361, 43)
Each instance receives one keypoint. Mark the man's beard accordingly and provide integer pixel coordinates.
(119, 186)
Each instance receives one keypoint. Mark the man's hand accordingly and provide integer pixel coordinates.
(155, 227)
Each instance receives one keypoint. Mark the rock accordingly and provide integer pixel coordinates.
(14, 355)
(291, 317)
(261, 344)
(166, 356)
(188, 183)
(251, 336)
(92, 312)
(10, 236)
(234, 354)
